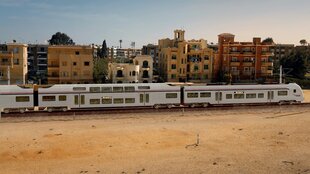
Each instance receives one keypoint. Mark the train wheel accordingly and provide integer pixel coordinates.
(169, 106)
(64, 109)
(49, 110)
(6, 111)
(205, 105)
(22, 110)
(192, 105)
(156, 106)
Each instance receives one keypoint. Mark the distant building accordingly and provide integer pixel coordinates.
(140, 70)
(123, 53)
(13, 63)
(305, 49)
(185, 61)
(151, 50)
(37, 64)
(242, 61)
(70, 64)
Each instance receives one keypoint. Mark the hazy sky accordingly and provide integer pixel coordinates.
(146, 21)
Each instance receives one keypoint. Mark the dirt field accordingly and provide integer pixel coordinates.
(227, 141)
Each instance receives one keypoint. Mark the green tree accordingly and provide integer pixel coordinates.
(104, 50)
(100, 70)
(60, 39)
(268, 40)
(296, 64)
(303, 42)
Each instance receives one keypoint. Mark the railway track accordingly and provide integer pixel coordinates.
(124, 111)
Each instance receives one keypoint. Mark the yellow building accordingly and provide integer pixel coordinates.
(13, 64)
(70, 64)
(185, 61)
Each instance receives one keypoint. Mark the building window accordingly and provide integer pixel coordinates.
(65, 63)
(173, 57)
(173, 66)
(119, 73)
(16, 61)
(75, 73)
(145, 64)
(1, 74)
(196, 68)
(74, 63)
(145, 74)
(77, 53)
(133, 73)
(86, 63)
(173, 76)
(206, 67)
(234, 59)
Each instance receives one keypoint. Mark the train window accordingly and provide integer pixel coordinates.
(192, 95)
(106, 100)
(118, 100)
(147, 98)
(171, 95)
(144, 87)
(94, 89)
(22, 99)
(106, 89)
(129, 88)
(282, 93)
(295, 90)
(228, 96)
(62, 98)
(238, 96)
(251, 95)
(94, 101)
(118, 89)
(76, 99)
(49, 98)
(205, 94)
(141, 98)
(260, 95)
(130, 100)
(79, 88)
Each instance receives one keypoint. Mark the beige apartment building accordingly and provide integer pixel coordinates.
(70, 64)
(185, 61)
(13, 64)
(140, 70)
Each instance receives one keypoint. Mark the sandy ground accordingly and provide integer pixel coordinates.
(227, 141)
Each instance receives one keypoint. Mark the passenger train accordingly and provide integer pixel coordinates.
(50, 98)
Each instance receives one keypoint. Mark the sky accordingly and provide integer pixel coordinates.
(146, 21)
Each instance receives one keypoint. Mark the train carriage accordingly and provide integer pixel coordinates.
(14, 98)
(64, 97)
(241, 94)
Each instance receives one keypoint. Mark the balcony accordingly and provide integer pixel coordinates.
(247, 63)
(234, 63)
(234, 72)
(267, 63)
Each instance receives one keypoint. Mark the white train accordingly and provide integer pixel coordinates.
(88, 96)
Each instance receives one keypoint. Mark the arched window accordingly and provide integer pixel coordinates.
(145, 74)
(145, 64)
(133, 73)
(119, 73)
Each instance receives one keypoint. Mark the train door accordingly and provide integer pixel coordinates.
(270, 96)
(79, 100)
(218, 97)
(144, 98)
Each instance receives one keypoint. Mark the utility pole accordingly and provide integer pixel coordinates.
(280, 80)
(9, 76)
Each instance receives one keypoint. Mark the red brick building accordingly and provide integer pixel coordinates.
(242, 61)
